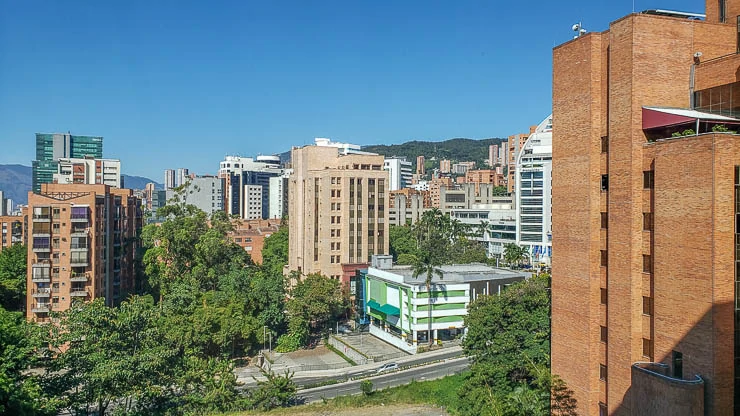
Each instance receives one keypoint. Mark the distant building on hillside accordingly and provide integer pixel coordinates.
(420, 170)
(399, 172)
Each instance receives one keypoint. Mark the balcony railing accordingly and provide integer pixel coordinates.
(41, 217)
(40, 308)
(79, 231)
(78, 293)
(78, 262)
(42, 292)
(79, 218)
(41, 248)
(41, 278)
(78, 277)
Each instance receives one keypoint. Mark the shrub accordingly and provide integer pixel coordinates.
(367, 387)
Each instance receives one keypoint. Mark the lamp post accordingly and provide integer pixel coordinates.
(264, 336)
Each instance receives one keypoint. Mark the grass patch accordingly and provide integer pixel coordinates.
(441, 392)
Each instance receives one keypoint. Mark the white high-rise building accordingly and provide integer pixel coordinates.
(279, 195)
(88, 171)
(169, 179)
(534, 193)
(182, 176)
(399, 171)
(239, 172)
(252, 202)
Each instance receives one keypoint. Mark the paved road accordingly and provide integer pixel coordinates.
(428, 372)
(346, 373)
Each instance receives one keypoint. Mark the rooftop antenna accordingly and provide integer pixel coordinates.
(580, 31)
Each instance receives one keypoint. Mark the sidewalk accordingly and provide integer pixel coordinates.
(244, 374)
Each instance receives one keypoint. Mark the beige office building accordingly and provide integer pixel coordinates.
(337, 210)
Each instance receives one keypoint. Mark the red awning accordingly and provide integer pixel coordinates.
(657, 117)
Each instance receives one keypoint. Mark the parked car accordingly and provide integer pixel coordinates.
(344, 329)
(387, 367)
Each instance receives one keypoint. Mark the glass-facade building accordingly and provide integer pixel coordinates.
(51, 147)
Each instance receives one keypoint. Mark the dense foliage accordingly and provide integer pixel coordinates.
(13, 277)
(508, 342)
(315, 302)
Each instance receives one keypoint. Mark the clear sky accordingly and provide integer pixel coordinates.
(182, 83)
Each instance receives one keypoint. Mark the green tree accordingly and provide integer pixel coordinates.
(402, 242)
(124, 356)
(13, 277)
(314, 302)
(514, 254)
(508, 342)
(21, 391)
(275, 391)
(500, 191)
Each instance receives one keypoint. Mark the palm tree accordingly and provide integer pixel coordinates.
(427, 266)
(482, 228)
(514, 254)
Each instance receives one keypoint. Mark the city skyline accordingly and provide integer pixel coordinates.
(260, 78)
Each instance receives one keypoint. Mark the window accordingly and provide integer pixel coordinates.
(648, 179)
(677, 364)
(647, 305)
(602, 372)
(604, 334)
(604, 183)
(647, 348)
(604, 220)
(647, 263)
(604, 258)
(647, 221)
(604, 296)
(604, 144)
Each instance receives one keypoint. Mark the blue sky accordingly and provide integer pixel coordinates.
(182, 83)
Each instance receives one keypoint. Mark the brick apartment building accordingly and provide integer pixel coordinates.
(13, 230)
(251, 234)
(645, 280)
(82, 246)
(338, 210)
(485, 176)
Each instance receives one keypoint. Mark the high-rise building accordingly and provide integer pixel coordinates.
(89, 171)
(338, 212)
(485, 176)
(513, 145)
(445, 166)
(204, 192)
(493, 155)
(169, 179)
(240, 172)
(420, 170)
(646, 190)
(533, 193)
(4, 209)
(52, 147)
(82, 246)
(399, 172)
(182, 176)
(278, 196)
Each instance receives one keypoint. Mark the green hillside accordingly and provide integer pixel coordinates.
(457, 150)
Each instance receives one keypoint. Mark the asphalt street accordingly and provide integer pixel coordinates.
(398, 378)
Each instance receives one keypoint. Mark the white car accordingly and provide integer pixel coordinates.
(387, 367)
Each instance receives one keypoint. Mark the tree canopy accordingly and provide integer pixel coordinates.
(508, 342)
(13, 277)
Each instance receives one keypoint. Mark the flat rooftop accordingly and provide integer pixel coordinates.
(454, 273)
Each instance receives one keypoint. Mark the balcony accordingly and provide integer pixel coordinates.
(78, 277)
(41, 230)
(79, 218)
(78, 262)
(79, 232)
(41, 217)
(41, 248)
(40, 274)
(78, 293)
(40, 308)
(42, 292)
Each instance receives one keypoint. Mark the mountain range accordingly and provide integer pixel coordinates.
(17, 180)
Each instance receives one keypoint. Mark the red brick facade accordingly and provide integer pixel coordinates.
(683, 270)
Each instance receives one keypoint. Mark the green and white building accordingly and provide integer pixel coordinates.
(395, 303)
